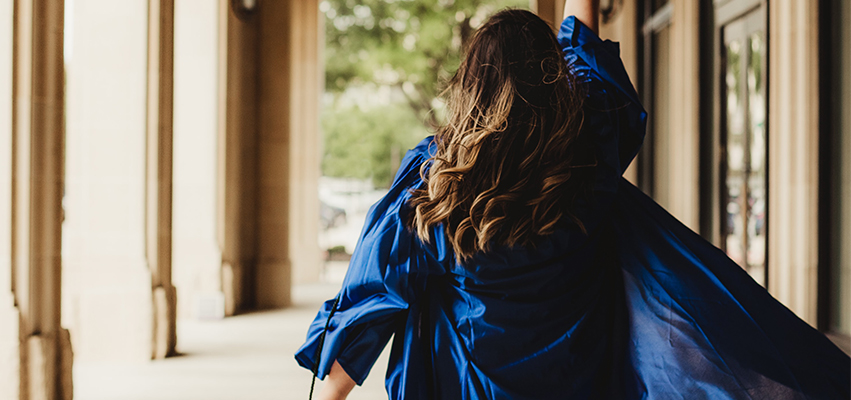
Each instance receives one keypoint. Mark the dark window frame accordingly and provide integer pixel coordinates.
(829, 111)
(715, 16)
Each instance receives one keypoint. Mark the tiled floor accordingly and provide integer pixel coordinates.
(246, 357)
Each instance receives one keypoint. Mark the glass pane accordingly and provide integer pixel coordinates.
(756, 189)
(744, 148)
(661, 115)
(840, 274)
(735, 191)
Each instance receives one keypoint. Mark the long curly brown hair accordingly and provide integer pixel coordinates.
(504, 171)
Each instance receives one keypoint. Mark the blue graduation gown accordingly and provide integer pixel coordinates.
(640, 307)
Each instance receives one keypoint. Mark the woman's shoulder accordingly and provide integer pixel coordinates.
(425, 148)
(408, 178)
(408, 175)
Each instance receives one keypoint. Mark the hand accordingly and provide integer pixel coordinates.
(586, 11)
(337, 385)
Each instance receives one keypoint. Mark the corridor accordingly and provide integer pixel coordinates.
(163, 169)
(245, 357)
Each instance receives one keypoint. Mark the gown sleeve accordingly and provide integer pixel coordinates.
(387, 271)
(613, 114)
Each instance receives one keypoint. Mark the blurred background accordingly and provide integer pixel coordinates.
(182, 182)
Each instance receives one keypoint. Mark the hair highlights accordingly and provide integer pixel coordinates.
(504, 171)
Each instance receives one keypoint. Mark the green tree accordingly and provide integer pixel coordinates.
(368, 144)
(410, 47)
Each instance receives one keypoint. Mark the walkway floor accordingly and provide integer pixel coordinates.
(247, 357)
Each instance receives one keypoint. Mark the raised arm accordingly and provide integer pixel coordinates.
(586, 11)
(613, 112)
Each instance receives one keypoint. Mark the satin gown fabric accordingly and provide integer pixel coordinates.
(640, 307)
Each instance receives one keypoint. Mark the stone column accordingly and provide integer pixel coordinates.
(275, 72)
(37, 185)
(159, 175)
(269, 138)
(288, 133)
(680, 192)
(108, 283)
(196, 269)
(236, 187)
(793, 142)
(306, 76)
(9, 343)
(288, 142)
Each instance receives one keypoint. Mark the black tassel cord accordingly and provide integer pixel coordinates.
(319, 347)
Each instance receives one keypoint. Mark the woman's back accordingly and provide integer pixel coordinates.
(615, 300)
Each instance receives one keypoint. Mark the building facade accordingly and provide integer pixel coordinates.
(749, 140)
(168, 165)
(157, 157)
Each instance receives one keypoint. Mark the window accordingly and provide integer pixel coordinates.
(743, 142)
(737, 197)
(835, 171)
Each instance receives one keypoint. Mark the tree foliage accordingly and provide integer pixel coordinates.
(368, 144)
(413, 47)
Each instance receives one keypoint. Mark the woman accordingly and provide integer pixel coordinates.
(510, 260)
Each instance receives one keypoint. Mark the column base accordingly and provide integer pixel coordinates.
(10, 354)
(232, 288)
(274, 284)
(165, 322)
(48, 361)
